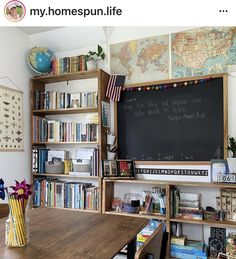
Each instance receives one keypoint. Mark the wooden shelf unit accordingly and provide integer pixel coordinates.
(108, 194)
(39, 84)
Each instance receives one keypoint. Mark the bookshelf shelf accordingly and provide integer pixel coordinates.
(225, 223)
(171, 183)
(86, 93)
(65, 176)
(65, 143)
(68, 77)
(66, 111)
(138, 215)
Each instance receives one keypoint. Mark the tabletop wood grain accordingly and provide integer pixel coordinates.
(57, 233)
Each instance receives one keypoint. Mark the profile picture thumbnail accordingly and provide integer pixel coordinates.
(14, 11)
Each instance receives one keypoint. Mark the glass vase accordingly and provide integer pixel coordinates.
(17, 224)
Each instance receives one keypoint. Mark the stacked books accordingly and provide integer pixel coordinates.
(146, 232)
(189, 206)
(68, 64)
(45, 130)
(56, 100)
(59, 194)
(39, 156)
(191, 249)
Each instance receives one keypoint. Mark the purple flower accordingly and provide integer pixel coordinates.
(21, 190)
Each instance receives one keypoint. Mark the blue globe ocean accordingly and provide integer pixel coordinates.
(40, 60)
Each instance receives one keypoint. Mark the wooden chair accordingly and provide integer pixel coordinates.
(4, 210)
(152, 245)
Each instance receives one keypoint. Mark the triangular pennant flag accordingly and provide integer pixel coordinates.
(114, 87)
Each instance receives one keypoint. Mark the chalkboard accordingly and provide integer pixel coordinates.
(177, 124)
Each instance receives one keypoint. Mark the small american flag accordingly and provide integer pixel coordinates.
(114, 87)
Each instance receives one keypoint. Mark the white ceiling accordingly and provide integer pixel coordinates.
(60, 39)
(33, 30)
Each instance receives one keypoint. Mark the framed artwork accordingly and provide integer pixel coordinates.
(11, 119)
(125, 168)
(109, 168)
(218, 166)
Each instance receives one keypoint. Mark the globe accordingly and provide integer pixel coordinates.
(40, 60)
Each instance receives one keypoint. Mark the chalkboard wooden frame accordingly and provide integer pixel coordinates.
(172, 81)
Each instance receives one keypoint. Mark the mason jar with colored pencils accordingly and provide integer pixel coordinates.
(17, 231)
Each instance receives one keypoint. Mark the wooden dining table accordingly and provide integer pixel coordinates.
(57, 233)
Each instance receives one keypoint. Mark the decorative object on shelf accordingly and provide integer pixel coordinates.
(116, 204)
(54, 167)
(40, 60)
(231, 244)
(67, 166)
(227, 203)
(111, 138)
(93, 57)
(131, 202)
(226, 178)
(215, 246)
(232, 148)
(125, 168)
(109, 168)
(11, 117)
(111, 153)
(17, 232)
(217, 241)
(218, 166)
(114, 87)
(106, 115)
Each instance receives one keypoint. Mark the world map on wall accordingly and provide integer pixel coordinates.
(141, 60)
(203, 51)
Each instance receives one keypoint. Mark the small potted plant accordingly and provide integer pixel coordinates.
(93, 57)
(232, 160)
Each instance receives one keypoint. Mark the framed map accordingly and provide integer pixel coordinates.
(11, 119)
(141, 60)
(203, 51)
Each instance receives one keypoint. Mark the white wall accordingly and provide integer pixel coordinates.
(14, 45)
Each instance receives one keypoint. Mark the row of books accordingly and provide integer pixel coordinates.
(39, 157)
(56, 100)
(185, 205)
(59, 194)
(69, 64)
(45, 130)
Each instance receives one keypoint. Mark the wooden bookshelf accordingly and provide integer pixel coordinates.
(42, 85)
(109, 193)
